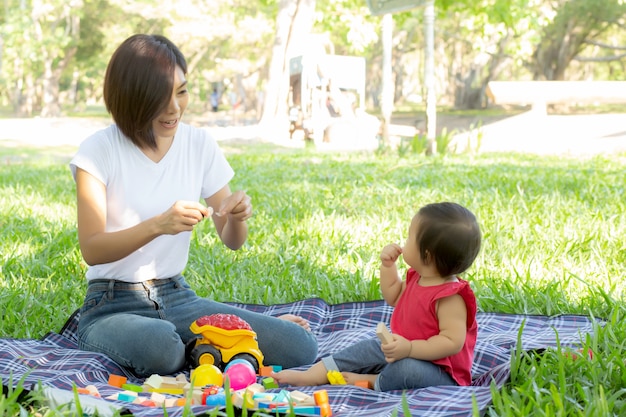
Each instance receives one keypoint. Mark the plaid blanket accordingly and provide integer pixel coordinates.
(55, 362)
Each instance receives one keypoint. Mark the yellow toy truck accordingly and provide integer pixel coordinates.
(223, 338)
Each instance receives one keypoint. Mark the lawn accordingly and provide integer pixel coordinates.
(554, 242)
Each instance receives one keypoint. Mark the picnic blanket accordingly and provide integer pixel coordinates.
(55, 361)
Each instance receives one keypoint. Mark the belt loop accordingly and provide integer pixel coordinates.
(111, 290)
(178, 280)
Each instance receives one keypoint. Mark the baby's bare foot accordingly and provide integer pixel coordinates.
(352, 378)
(296, 319)
(289, 377)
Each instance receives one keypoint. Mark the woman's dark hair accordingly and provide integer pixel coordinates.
(448, 235)
(138, 84)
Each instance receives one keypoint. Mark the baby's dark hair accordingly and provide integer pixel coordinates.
(448, 235)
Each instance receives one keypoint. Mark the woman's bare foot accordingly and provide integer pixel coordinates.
(352, 378)
(315, 375)
(296, 319)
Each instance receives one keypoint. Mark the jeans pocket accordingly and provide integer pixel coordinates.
(92, 300)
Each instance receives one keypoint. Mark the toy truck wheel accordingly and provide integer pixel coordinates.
(249, 358)
(205, 355)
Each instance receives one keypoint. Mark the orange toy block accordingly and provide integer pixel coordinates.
(266, 370)
(117, 380)
(363, 384)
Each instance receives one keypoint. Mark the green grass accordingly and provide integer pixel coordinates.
(554, 242)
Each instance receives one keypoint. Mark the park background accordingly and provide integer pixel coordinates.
(552, 214)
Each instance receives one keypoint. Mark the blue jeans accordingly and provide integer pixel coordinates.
(145, 326)
(366, 357)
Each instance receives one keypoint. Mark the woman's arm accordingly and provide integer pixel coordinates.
(99, 246)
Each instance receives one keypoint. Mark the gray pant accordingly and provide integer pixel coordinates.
(366, 357)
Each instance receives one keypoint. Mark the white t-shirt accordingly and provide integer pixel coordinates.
(138, 189)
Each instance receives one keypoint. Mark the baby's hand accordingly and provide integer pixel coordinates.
(390, 254)
(400, 348)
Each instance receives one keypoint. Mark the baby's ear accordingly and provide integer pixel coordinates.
(427, 258)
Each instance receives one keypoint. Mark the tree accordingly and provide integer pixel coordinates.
(576, 24)
(293, 24)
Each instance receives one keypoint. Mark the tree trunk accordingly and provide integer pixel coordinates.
(293, 22)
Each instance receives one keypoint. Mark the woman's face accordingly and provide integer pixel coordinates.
(166, 124)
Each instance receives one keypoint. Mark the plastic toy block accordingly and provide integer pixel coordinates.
(277, 368)
(154, 381)
(128, 396)
(117, 380)
(301, 409)
(148, 403)
(132, 387)
(383, 333)
(83, 391)
(255, 388)
(269, 382)
(180, 402)
(335, 377)
(321, 400)
(171, 391)
(266, 370)
(363, 384)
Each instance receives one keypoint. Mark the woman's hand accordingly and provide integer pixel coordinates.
(237, 206)
(182, 217)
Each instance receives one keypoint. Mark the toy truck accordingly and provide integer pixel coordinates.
(223, 338)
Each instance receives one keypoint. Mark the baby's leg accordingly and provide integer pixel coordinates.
(315, 375)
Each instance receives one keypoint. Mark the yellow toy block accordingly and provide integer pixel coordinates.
(335, 377)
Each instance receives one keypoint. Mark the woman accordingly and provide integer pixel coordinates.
(138, 184)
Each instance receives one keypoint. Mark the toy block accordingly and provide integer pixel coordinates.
(117, 380)
(171, 391)
(132, 387)
(83, 391)
(277, 368)
(196, 396)
(128, 396)
(181, 378)
(139, 400)
(154, 381)
(93, 390)
(335, 377)
(300, 409)
(266, 370)
(170, 402)
(148, 403)
(363, 384)
(300, 398)
(180, 402)
(383, 333)
(269, 382)
(321, 400)
(255, 388)
(157, 398)
(171, 382)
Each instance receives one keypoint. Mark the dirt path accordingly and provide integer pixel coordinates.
(526, 132)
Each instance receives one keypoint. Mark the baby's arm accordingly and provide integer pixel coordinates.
(452, 316)
(391, 285)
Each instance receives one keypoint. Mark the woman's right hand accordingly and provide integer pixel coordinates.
(182, 217)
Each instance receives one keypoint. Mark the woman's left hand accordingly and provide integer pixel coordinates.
(237, 206)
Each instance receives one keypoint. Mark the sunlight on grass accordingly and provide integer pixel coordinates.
(553, 243)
